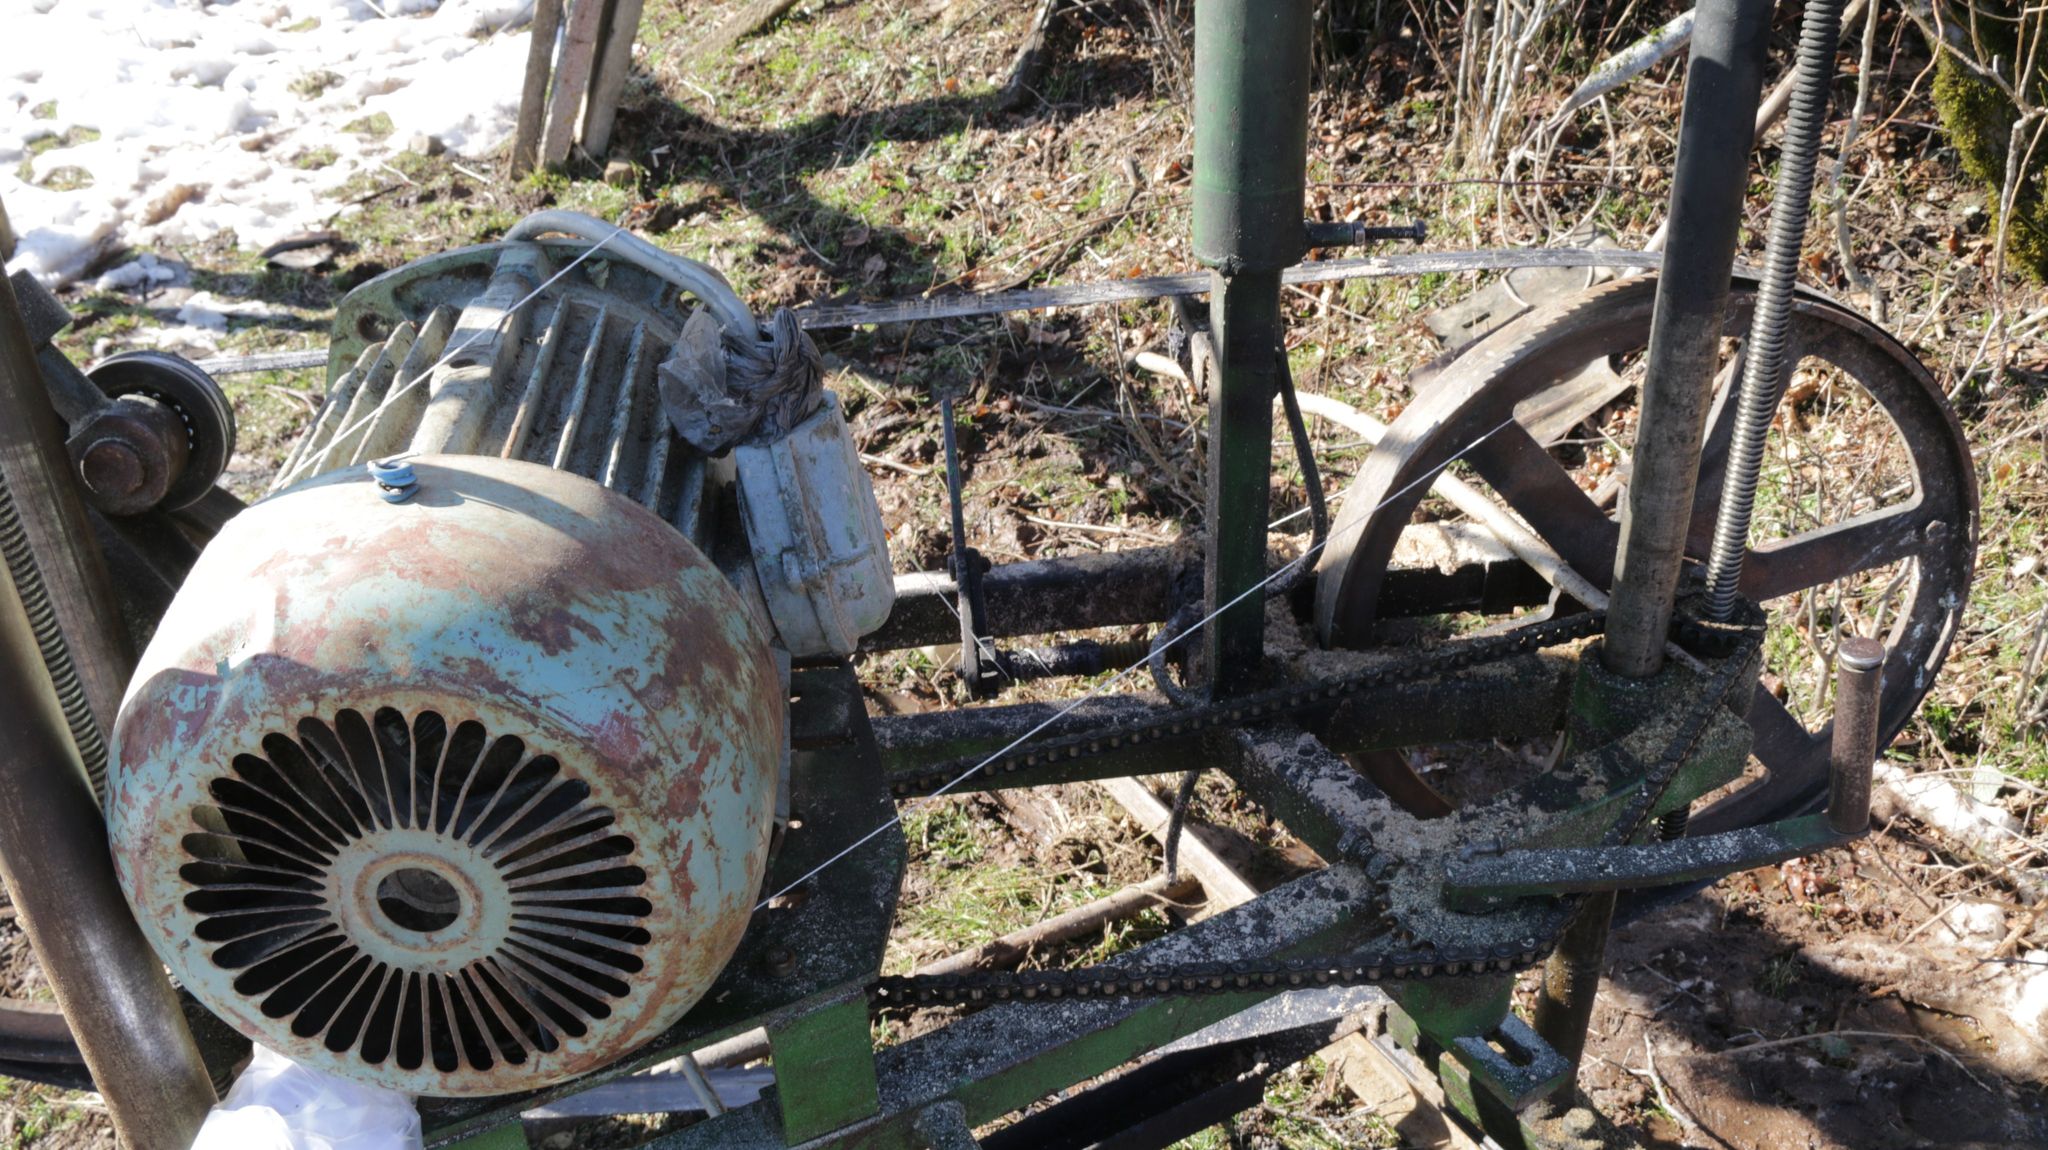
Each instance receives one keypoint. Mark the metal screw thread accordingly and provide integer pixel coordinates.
(1765, 371)
(42, 618)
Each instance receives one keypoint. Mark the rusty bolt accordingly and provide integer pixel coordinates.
(112, 468)
(128, 453)
(781, 962)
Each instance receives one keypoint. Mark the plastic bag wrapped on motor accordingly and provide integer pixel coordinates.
(278, 1104)
(820, 550)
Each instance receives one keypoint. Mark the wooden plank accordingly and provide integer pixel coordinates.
(572, 79)
(1220, 882)
(533, 92)
(615, 59)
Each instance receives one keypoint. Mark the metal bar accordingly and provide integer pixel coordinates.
(1573, 870)
(1342, 234)
(957, 305)
(1245, 316)
(1252, 73)
(37, 471)
(1723, 80)
(1859, 691)
(1009, 1056)
(59, 872)
(1438, 567)
(1523, 700)
(824, 1069)
(707, 1098)
(1072, 594)
(1571, 976)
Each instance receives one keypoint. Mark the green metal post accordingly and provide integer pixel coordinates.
(824, 1070)
(1251, 146)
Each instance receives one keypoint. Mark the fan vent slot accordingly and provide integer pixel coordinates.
(263, 855)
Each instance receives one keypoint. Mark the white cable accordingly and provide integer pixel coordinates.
(1104, 686)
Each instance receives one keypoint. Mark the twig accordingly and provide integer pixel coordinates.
(893, 465)
(1080, 922)
(1664, 1096)
(1624, 66)
(1102, 528)
(1773, 1043)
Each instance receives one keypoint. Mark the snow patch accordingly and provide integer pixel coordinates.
(143, 272)
(195, 120)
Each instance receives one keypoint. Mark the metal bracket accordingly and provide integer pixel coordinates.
(1524, 1069)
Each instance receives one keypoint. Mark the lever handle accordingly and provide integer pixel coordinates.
(1476, 881)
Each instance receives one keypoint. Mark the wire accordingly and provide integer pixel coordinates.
(1319, 530)
(300, 468)
(1104, 686)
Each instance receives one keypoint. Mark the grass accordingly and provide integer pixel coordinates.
(1304, 1108)
(33, 1116)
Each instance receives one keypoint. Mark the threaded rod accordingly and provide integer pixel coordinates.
(42, 618)
(1767, 367)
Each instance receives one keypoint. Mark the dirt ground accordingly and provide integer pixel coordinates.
(1889, 995)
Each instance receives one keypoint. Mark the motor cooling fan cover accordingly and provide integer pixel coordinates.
(460, 795)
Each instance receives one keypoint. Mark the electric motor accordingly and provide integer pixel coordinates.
(455, 762)
(460, 794)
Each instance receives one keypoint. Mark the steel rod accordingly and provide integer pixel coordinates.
(1859, 691)
(1723, 80)
(59, 872)
(1571, 979)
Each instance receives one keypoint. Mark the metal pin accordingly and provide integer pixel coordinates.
(707, 1095)
(1859, 688)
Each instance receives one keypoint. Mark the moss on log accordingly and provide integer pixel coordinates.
(1979, 119)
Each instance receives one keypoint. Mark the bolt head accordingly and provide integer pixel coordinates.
(112, 468)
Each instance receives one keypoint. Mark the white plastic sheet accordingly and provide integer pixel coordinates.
(278, 1104)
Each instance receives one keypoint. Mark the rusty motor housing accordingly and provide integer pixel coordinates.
(461, 794)
(455, 762)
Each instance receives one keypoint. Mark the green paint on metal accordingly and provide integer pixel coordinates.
(1148, 1029)
(1447, 1009)
(510, 1136)
(1251, 132)
(824, 1070)
(1244, 316)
